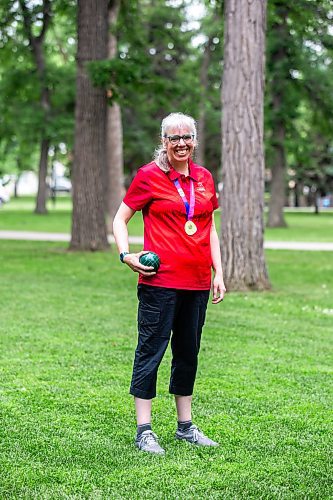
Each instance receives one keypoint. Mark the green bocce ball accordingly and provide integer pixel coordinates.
(150, 259)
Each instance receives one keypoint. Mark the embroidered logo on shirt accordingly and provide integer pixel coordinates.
(200, 187)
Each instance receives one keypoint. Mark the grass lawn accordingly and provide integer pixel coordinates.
(264, 387)
(19, 216)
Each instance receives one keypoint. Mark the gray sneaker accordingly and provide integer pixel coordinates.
(147, 441)
(195, 436)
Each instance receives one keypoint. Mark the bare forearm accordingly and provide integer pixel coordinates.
(218, 286)
(120, 233)
(215, 252)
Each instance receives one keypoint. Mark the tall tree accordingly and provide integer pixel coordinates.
(23, 120)
(279, 60)
(298, 75)
(88, 219)
(209, 102)
(200, 151)
(115, 161)
(36, 43)
(164, 73)
(242, 145)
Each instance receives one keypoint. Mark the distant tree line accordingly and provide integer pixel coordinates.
(156, 68)
(125, 65)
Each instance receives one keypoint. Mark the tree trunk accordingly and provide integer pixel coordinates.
(278, 183)
(36, 46)
(88, 219)
(42, 173)
(115, 161)
(19, 169)
(242, 146)
(314, 201)
(45, 142)
(299, 194)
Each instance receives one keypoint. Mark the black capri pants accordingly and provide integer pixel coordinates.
(160, 312)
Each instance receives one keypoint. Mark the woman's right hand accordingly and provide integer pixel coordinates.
(132, 260)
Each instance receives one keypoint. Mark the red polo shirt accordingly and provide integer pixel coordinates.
(185, 260)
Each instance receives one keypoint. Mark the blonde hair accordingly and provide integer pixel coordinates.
(173, 120)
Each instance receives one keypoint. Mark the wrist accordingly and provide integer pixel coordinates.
(122, 256)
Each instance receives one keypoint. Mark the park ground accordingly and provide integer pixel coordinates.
(18, 216)
(264, 387)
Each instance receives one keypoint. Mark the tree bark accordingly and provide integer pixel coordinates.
(42, 173)
(278, 182)
(88, 219)
(300, 199)
(115, 161)
(242, 146)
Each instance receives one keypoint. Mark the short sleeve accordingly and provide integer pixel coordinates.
(139, 193)
(213, 199)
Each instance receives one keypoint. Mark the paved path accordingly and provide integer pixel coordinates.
(34, 236)
(275, 245)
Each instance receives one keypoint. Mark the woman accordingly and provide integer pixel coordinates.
(177, 199)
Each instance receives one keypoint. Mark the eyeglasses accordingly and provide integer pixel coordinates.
(175, 139)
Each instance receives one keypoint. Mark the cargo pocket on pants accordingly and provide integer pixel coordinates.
(149, 328)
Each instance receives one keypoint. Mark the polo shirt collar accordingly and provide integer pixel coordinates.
(193, 174)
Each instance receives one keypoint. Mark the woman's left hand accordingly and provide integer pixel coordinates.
(218, 289)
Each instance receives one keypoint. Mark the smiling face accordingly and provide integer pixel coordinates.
(179, 153)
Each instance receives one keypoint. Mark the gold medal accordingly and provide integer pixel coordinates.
(190, 228)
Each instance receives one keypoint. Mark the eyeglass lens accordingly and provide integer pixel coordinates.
(174, 139)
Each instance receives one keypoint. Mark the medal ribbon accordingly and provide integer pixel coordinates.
(188, 206)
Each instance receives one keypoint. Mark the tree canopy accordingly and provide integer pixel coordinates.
(165, 62)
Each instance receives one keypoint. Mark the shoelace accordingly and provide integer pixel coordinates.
(196, 434)
(149, 438)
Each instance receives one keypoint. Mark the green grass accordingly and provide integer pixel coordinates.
(264, 387)
(18, 215)
(304, 226)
